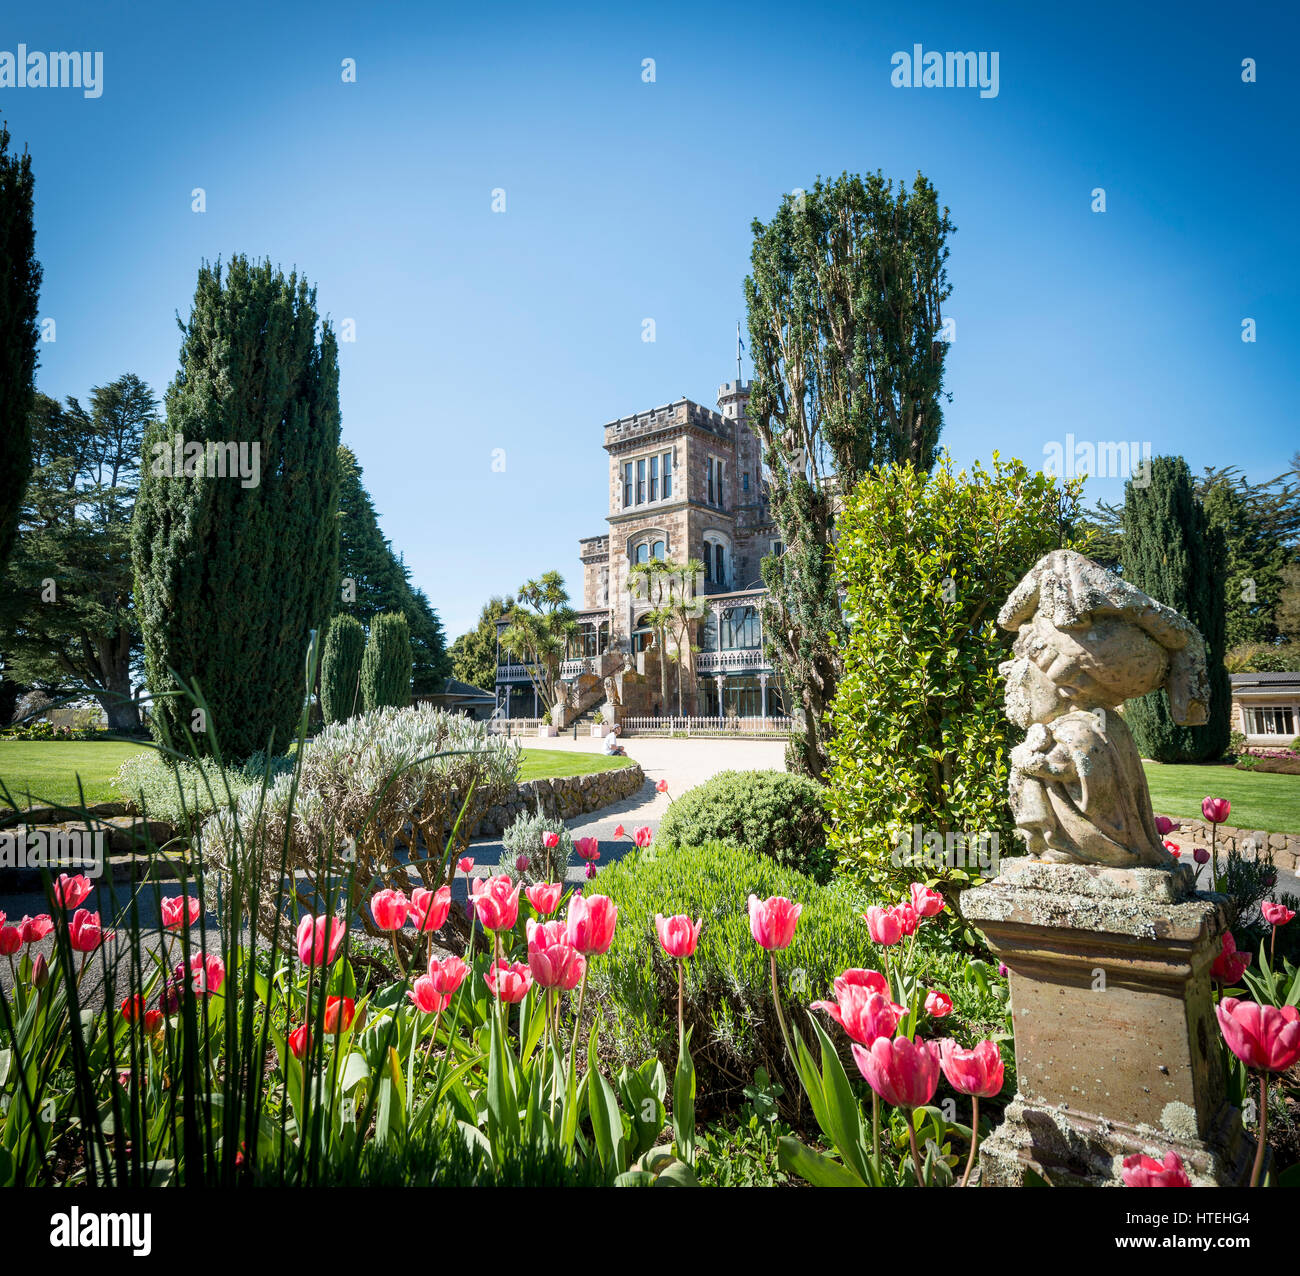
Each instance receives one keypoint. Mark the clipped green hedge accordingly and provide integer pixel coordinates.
(770, 813)
(728, 989)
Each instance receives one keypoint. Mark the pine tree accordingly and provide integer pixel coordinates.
(340, 673)
(233, 573)
(386, 665)
(474, 654)
(20, 283)
(1172, 552)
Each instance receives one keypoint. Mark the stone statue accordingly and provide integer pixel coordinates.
(561, 694)
(1088, 640)
(611, 691)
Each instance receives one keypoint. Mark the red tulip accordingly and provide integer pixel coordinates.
(1276, 914)
(180, 911)
(865, 1014)
(319, 939)
(34, 929)
(336, 1007)
(678, 935)
(496, 902)
(926, 901)
(884, 925)
(1229, 965)
(85, 933)
(1142, 1171)
(509, 981)
(903, 1072)
(938, 1004)
(591, 923)
(551, 956)
(1164, 825)
(429, 909)
(545, 897)
(521, 863)
(588, 848)
(1260, 1036)
(662, 786)
(40, 971)
(1174, 849)
(11, 940)
(772, 921)
(447, 975)
(1216, 810)
(465, 863)
(978, 1072)
(299, 1040)
(643, 836)
(618, 832)
(425, 996)
(71, 891)
(389, 908)
(133, 1008)
(1200, 855)
(550, 840)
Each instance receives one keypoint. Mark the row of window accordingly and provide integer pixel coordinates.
(645, 478)
(739, 629)
(1269, 720)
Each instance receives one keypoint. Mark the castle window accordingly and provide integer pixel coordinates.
(719, 573)
(708, 473)
(744, 481)
(657, 550)
(722, 503)
(668, 475)
(627, 484)
(741, 629)
(640, 482)
(643, 553)
(654, 478)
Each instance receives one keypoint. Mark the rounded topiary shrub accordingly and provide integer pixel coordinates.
(728, 1001)
(771, 813)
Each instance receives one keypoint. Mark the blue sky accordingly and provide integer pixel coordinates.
(628, 200)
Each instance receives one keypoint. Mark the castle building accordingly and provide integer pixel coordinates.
(685, 483)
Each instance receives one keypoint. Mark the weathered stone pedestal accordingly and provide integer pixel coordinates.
(1116, 1042)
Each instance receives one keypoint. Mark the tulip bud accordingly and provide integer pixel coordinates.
(40, 971)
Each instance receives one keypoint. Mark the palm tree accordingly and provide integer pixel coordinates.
(670, 588)
(541, 625)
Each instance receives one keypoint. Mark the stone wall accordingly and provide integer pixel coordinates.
(563, 798)
(1285, 847)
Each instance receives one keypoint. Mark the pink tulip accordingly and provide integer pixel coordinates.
(903, 1072)
(865, 1014)
(1263, 1037)
(496, 902)
(871, 980)
(545, 897)
(772, 921)
(1276, 914)
(11, 940)
(926, 901)
(550, 840)
(389, 908)
(1164, 825)
(509, 981)
(34, 929)
(209, 973)
(521, 863)
(938, 1004)
(884, 925)
(977, 1072)
(907, 917)
(85, 933)
(465, 863)
(1142, 1171)
(591, 923)
(319, 939)
(425, 996)
(183, 910)
(588, 848)
(643, 836)
(447, 975)
(1216, 810)
(678, 935)
(1229, 965)
(429, 909)
(618, 832)
(551, 957)
(69, 892)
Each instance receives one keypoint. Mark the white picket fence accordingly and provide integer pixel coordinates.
(513, 726)
(706, 726)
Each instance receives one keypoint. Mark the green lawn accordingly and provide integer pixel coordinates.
(1259, 800)
(48, 769)
(550, 764)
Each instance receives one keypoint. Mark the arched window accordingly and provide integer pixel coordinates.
(719, 565)
(643, 553)
(657, 550)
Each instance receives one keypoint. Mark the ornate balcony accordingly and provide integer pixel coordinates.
(750, 660)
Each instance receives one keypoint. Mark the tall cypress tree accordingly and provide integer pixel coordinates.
(1172, 552)
(233, 573)
(20, 283)
(340, 670)
(386, 664)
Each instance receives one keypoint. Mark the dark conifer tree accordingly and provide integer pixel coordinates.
(340, 673)
(386, 665)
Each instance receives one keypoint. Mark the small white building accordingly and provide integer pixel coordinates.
(1266, 708)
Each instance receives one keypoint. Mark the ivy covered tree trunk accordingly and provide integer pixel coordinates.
(340, 674)
(20, 283)
(386, 664)
(235, 539)
(1172, 552)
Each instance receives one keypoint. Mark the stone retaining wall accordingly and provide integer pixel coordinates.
(1284, 847)
(563, 798)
